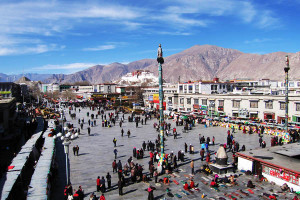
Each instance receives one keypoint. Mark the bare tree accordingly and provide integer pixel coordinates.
(69, 94)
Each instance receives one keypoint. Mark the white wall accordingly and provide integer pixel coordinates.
(280, 182)
(244, 164)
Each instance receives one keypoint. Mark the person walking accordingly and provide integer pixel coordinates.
(115, 152)
(192, 167)
(98, 184)
(108, 178)
(115, 142)
(77, 150)
(89, 130)
(102, 185)
(114, 166)
(120, 186)
(122, 132)
(128, 133)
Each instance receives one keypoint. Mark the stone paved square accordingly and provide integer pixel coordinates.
(96, 157)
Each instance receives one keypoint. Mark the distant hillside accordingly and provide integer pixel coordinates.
(200, 62)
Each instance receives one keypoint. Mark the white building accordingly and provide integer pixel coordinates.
(106, 88)
(138, 77)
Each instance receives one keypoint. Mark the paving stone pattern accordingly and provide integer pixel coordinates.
(96, 157)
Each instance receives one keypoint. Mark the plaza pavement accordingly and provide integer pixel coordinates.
(96, 157)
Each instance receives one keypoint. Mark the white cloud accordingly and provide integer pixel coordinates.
(245, 11)
(37, 49)
(64, 67)
(100, 48)
(257, 40)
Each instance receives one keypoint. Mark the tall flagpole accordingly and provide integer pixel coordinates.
(160, 61)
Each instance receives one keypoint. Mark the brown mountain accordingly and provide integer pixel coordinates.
(197, 63)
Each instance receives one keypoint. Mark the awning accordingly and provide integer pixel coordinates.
(253, 112)
(253, 99)
(267, 100)
(235, 111)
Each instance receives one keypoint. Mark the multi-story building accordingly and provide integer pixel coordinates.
(106, 88)
(7, 114)
(9, 90)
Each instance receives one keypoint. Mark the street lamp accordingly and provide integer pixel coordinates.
(160, 61)
(66, 144)
(286, 70)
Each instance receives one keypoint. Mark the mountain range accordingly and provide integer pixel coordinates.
(200, 62)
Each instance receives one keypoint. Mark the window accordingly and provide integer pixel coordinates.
(170, 99)
(180, 88)
(188, 109)
(298, 84)
(197, 88)
(204, 102)
(269, 104)
(188, 101)
(292, 84)
(196, 101)
(235, 104)
(181, 100)
(253, 104)
(190, 88)
(221, 102)
(282, 105)
(297, 106)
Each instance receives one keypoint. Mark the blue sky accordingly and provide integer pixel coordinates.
(69, 36)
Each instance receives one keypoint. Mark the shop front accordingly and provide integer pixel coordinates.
(296, 118)
(269, 115)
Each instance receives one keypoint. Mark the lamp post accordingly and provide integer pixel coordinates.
(66, 144)
(286, 70)
(160, 61)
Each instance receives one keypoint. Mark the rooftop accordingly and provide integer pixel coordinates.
(286, 157)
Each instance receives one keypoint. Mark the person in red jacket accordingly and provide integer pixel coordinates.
(186, 186)
(192, 184)
(98, 184)
(102, 197)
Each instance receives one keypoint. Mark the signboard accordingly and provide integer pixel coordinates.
(203, 107)
(284, 175)
(124, 97)
(220, 108)
(156, 98)
(150, 98)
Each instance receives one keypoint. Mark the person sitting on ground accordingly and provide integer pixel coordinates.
(250, 184)
(226, 180)
(166, 181)
(186, 186)
(284, 187)
(213, 184)
(231, 179)
(192, 184)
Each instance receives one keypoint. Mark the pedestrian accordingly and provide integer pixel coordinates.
(74, 150)
(128, 133)
(185, 147)
(115, 152)
(213, 140)
(202, 154)
(77, 150)
(108, 178)
(89, 130)
(98, 184)
(80, 193)
(115, 142)
(93, 197)
(122, 132)
(102, 184)
(192, 167)
(120, 186)
(155, 176)
(150, 193)
(114, 166)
